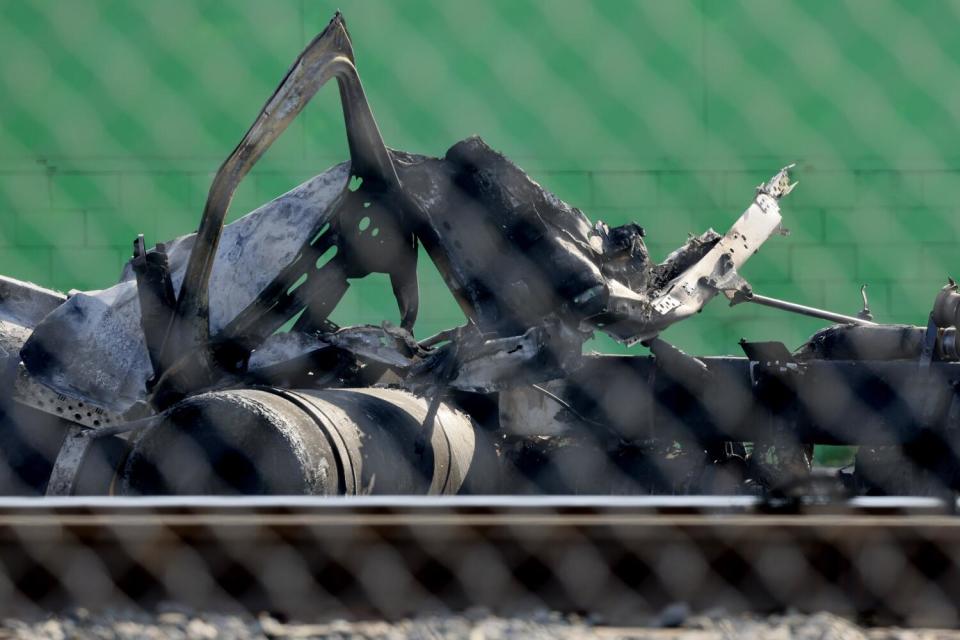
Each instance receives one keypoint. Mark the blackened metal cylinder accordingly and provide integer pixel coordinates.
(329, 442)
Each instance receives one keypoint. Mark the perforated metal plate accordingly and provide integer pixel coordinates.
(43, 398)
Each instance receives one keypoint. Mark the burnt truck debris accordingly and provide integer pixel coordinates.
(213, 367)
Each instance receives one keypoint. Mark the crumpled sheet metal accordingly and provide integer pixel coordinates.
(514, 255)
(92, 346)
(25, 303)
(22, 306)
(368, 342)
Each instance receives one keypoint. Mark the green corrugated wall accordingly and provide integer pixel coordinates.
(115, 114)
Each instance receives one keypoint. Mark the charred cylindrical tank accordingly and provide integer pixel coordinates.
(329, 442)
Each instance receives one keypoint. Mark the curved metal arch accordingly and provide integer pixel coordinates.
(329, 55)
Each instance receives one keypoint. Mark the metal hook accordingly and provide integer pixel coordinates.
(864, 313)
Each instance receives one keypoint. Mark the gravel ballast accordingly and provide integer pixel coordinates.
(182, 624)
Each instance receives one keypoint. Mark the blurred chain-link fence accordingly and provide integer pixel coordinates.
(114, 117)
(592, 569)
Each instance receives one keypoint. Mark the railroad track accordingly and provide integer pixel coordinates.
(889, 560)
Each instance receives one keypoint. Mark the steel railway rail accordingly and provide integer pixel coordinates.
(886, 560)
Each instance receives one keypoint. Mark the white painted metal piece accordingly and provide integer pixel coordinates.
(686, 294)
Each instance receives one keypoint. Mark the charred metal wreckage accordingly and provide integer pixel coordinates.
(213, 365)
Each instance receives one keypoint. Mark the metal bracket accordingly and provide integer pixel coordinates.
(28, 392)
(72, 453)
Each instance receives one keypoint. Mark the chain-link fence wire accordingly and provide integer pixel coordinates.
(626, 563)
(115, 116)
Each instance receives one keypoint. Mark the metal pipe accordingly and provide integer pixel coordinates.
(309, 441)
(804, 310)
